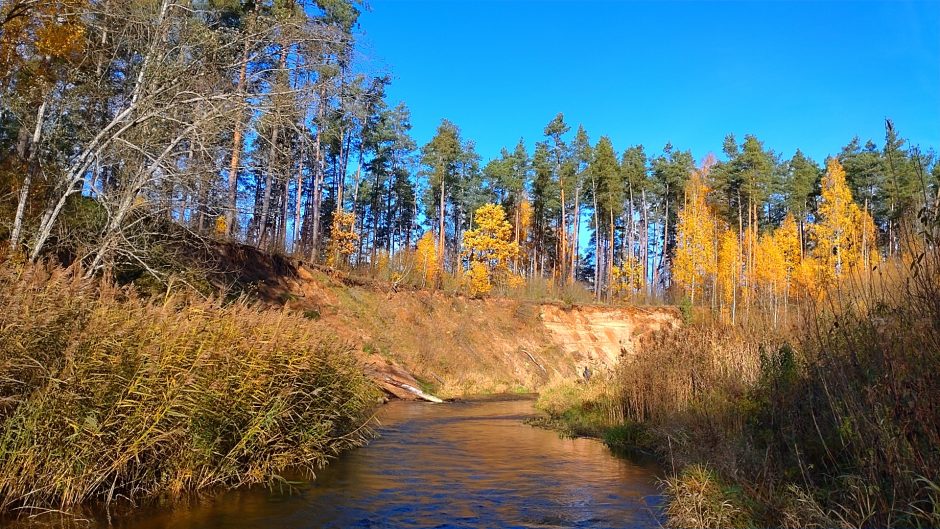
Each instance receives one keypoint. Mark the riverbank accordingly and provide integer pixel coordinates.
(108, 397)
(828, 421)
(120, 394)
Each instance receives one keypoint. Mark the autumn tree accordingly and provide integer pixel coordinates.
(425, 261)
(787, 239)
(770, 270)
(729, 271)
(844, 234)
(343, 239)
(627, 277)
(489, 248)
(694, 261)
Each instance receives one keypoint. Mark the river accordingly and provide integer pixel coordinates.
(455, 465)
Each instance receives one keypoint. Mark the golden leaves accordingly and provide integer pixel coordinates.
(845, 234)
(490, 248)
(343, 238)
(695, 236)
(628, 277)
(426, 259)
(50, 31)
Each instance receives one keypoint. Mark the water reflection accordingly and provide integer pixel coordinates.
(457, 465)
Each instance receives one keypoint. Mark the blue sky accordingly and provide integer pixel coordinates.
(796, 74)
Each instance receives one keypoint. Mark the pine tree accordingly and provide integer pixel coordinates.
(670, 173)
(440, 158)
(803, 176)
(636, 225)
(554, 131)
(605, 170)
(581, 159)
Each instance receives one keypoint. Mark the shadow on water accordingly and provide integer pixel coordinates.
(464, 464)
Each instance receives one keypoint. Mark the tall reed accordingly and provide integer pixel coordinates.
(832, 423)
(104, 395)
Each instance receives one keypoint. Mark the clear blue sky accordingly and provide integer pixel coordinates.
(796, 74)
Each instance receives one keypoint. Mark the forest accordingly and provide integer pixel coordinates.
(249, 121)
(138, 138)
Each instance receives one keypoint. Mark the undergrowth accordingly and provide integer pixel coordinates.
(831, 422)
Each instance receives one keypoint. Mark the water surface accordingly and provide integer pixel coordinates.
(456, 465)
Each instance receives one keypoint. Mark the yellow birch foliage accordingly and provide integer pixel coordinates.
(490, 248)
(220, 227)
(788, 240)
(695, 249)
(52, 30)
(808, 278)
(526, 214)
(844, 234)
(771, 266)
(426, 259)
(383, 262)
(749, 277)
(628, 277)
(62, 33)
(478, 279)
(343, 238)
(729, 266)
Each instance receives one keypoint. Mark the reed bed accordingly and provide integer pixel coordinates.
(107, 396)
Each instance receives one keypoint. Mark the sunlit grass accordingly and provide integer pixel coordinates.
(104, 395)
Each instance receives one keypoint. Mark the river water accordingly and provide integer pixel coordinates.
(455, 465)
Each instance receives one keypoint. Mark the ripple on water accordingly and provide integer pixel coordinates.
(460, 465)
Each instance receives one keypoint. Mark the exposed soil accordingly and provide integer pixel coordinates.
(451, 345)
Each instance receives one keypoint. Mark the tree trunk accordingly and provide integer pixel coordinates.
(563, 244)
(298, 202)
(610, 256)
(319, 170)
(440, 231)
(262, 225)
(237, 141)
(597, 241)
(646, 245)
(577, 235)
(27, 180)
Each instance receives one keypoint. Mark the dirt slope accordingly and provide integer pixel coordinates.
(455, 346)
(443, 344)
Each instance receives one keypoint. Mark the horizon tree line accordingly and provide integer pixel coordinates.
(251, 121)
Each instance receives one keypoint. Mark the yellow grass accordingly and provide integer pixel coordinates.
(104, 395)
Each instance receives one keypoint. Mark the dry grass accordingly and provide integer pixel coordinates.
(833, 422)
(701, 500)
(104, 395)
